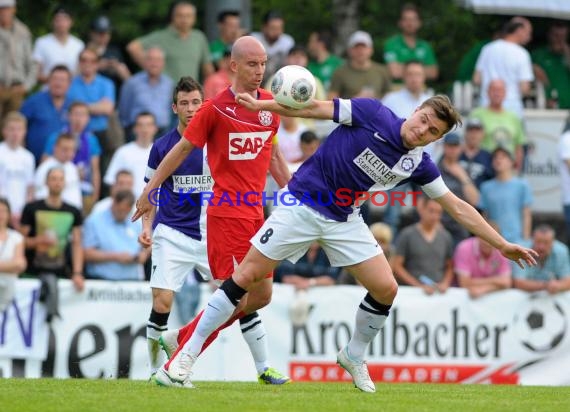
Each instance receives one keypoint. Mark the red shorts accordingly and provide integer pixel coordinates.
(228, 243)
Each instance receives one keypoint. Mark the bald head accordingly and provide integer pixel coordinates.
(246, 45)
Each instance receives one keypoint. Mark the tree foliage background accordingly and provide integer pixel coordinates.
(452, 30)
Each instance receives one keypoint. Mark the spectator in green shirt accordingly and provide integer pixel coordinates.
(551, 64)
(360, 76)
(406, 46)
(322, 62)
(229, 29)
(186, 49)
(503, 128)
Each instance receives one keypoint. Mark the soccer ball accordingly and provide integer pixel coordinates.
(540, 324)
(293, 86)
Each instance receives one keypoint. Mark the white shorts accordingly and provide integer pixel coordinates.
(290, 230)
(174, 257)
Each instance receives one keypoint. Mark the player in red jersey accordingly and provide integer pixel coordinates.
(241, 149)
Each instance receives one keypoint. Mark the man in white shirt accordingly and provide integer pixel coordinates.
(507, 59)
(63, 154)
(403, 103)
(16, 166)
(133, 156)
(57, 47)
(276, 42)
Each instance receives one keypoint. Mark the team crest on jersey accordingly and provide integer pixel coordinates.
(265, 117)
(407, 164)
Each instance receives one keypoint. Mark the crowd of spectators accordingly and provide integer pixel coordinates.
(78, 127)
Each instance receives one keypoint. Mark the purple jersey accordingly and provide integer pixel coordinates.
(364, 154)
(178, 209)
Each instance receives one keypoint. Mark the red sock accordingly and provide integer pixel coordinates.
(215, 333)
(189, 328)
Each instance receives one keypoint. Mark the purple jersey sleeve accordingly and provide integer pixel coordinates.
(153, 162)
(426, 172)
(428, 177)
(358, 111)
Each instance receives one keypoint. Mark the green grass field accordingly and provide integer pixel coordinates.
(18, 395)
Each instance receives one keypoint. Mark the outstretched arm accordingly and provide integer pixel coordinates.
(167, 166)
(469, 218)
(318, 109)
(278, 167)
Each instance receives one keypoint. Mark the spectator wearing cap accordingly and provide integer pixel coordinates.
(407, 46)
(475, 160)
(18, 70)
(111, 59)
(506, 199)
(185, 48)
(229, 29)
(221, 79)
(502, 127)
(360, 76)
(459, 182)
(59, 46)
(322, 62)
(276, 42)
(149, 90)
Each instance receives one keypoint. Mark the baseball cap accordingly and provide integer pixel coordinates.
(359, 37)
(474, 123)
(7, 3)
(101, 24)
(452, 138)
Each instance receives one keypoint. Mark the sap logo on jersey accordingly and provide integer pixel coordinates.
(246, 146)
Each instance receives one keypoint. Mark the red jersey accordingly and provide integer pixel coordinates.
(239, 151)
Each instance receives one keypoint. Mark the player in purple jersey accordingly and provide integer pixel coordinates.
(174, 230)
(371, 150)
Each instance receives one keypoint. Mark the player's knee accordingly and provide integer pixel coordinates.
(392, 290)
(386, 292)
(264, 299)
(162, 303)
(258, 301)
(248, 275)
(161, 307)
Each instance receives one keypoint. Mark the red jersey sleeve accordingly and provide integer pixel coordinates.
(198, 129)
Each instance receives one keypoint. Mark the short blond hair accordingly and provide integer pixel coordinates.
(15, 117)
(381, 232)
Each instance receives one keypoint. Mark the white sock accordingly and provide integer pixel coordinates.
(370, 318)
(218, 310)
(253, 331)
(156, 356)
